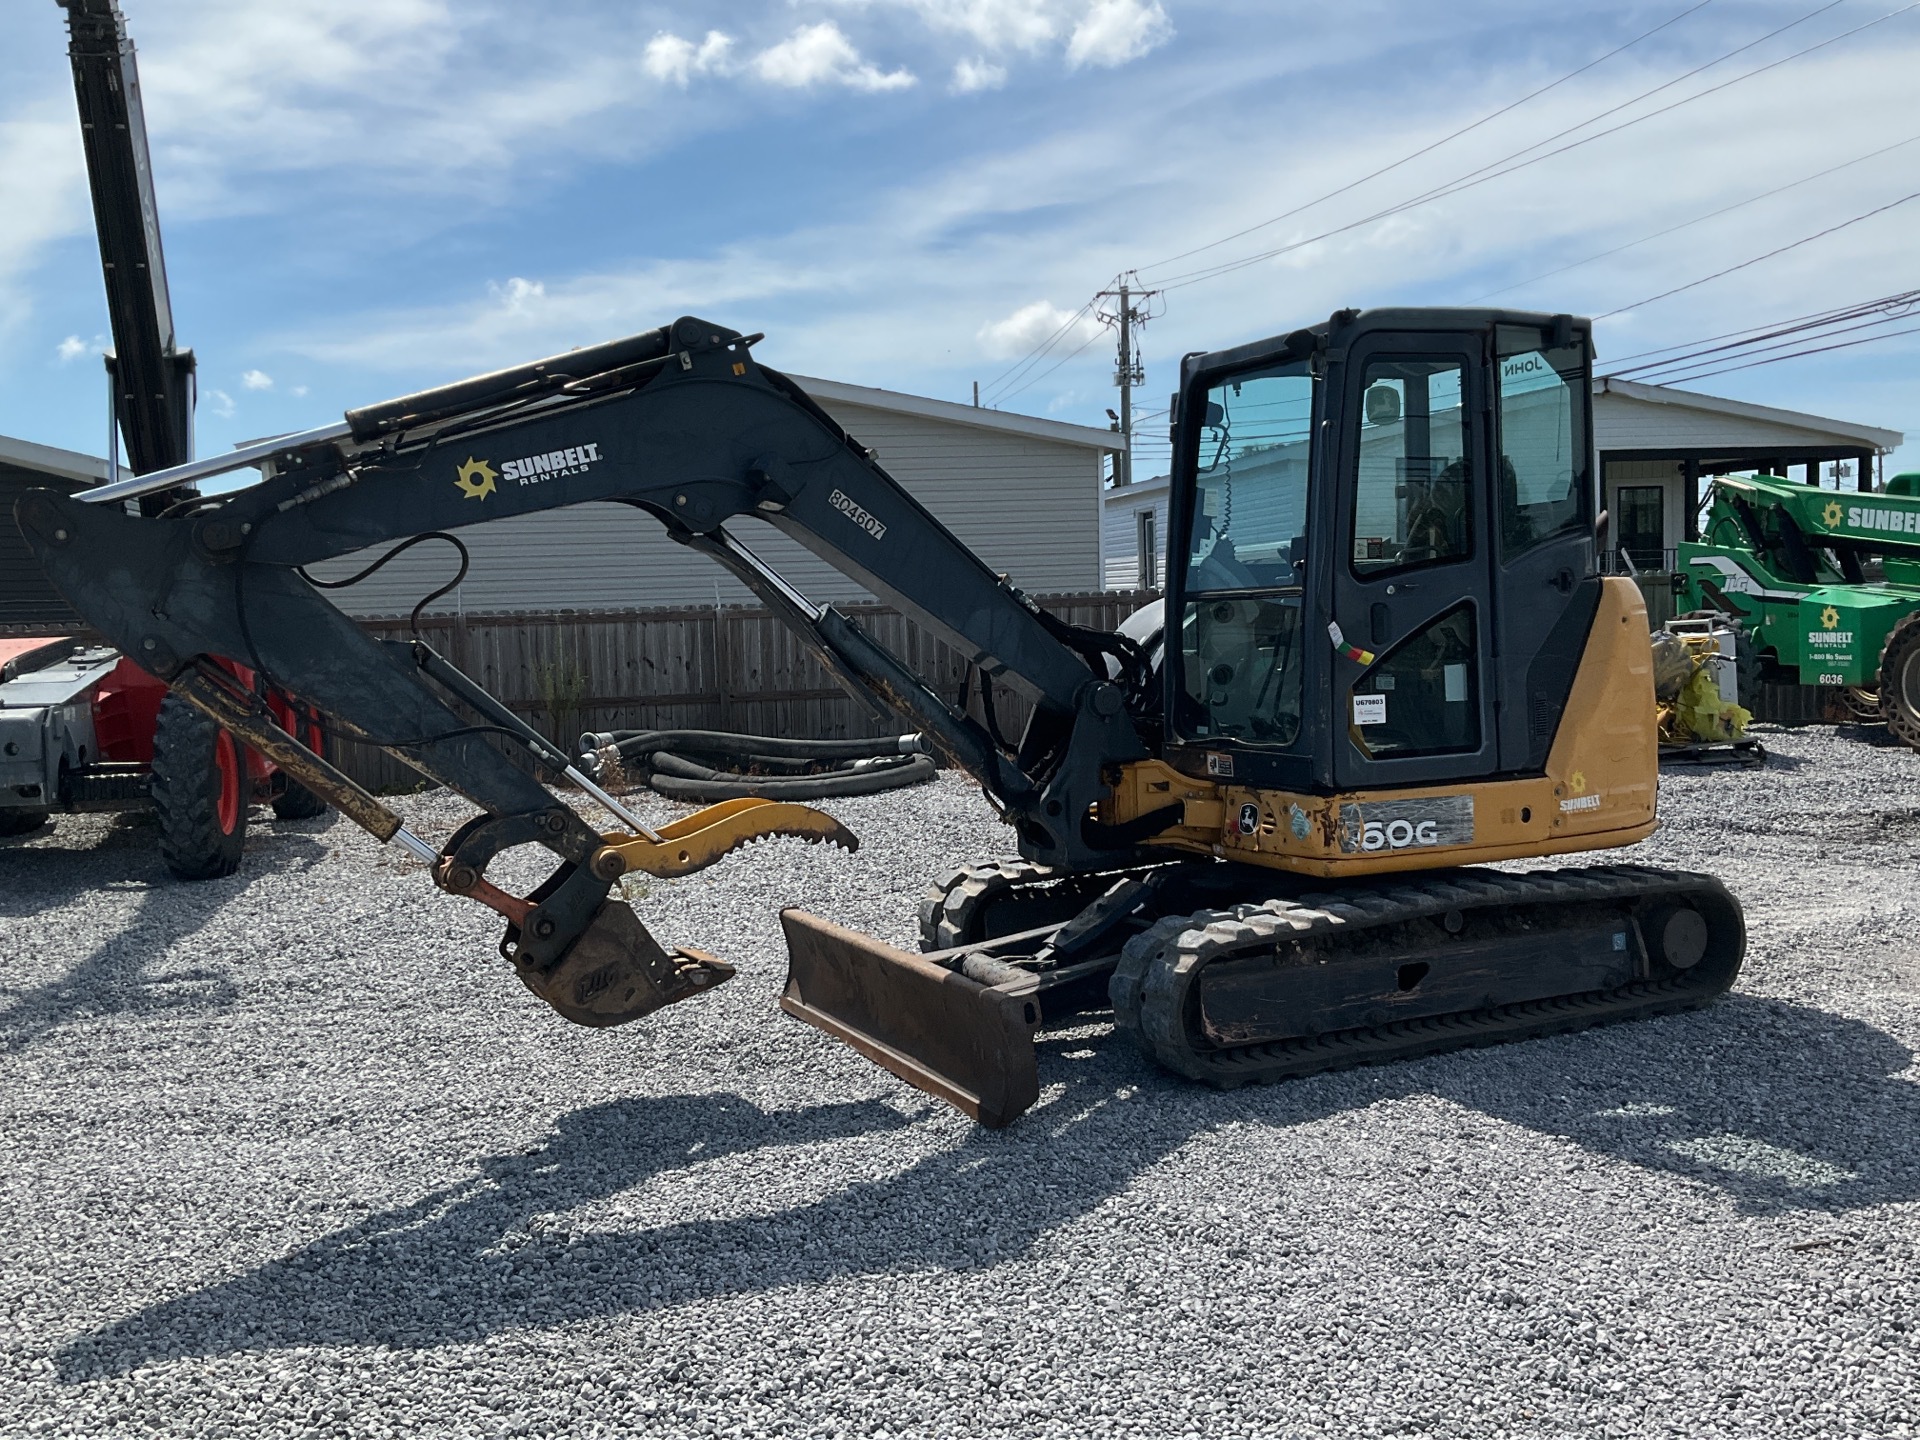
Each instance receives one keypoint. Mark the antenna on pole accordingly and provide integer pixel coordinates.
(1128, 371)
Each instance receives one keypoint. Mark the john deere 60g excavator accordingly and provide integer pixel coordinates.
(1385, 655)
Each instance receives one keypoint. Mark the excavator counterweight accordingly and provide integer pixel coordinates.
(1385, 655)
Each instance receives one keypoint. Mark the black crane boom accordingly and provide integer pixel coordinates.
(152, 377)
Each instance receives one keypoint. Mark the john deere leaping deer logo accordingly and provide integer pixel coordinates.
(476, 479)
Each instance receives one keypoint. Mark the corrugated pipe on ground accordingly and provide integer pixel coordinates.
(709, 765)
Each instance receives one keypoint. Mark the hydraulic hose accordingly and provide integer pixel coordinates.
(713, 765)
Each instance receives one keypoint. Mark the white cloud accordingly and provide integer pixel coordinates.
(1096, 32)
(1033, 325)
(821, 55)
(257, 380)
(298, 391)
(996, 24)
(972, 74)
(677, 60)
(1112, 32)
(42, 195)
(221, 403)
(518, 296)
(70, 349)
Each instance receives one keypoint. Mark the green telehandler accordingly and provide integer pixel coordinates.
(1826, 583)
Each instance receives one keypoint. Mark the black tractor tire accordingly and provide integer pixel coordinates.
(297, 802)
(22, 822)
(200, 793)
(1900, 681)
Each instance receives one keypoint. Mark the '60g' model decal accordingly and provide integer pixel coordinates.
(1406, 824)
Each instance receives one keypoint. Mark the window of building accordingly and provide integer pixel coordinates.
(1149, 549)
(1641, 523)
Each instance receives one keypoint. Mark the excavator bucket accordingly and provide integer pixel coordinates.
(616, 971)
(967, 1043)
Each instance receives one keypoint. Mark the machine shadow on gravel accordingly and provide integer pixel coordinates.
(115, 978)
(1781, 1107)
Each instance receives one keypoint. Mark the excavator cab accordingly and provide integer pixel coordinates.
(1383, 560)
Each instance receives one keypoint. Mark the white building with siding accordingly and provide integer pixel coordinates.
(1658, 448)
(1023, 492)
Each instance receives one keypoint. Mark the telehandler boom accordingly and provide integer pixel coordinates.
(1385, 651)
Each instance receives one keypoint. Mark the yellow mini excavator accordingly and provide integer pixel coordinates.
(1243, 819)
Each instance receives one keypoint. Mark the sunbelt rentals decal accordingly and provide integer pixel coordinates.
(478, 478)
(1877, 519)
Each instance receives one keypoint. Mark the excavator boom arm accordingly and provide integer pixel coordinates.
(681, 423)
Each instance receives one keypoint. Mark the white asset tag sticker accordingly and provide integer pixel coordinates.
(1369, 709)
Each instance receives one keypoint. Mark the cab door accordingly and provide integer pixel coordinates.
(1412, 624)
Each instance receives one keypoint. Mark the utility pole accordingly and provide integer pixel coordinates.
(1128, 371)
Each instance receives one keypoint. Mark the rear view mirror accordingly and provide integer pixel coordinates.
(1216, 415)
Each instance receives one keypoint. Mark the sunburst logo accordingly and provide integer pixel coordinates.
(476, 479)
(1578, 780)
(1832, 514)
(1829, 619)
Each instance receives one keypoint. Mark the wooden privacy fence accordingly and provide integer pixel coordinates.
(711, 668)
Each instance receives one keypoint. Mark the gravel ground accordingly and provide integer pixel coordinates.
(294, 1154)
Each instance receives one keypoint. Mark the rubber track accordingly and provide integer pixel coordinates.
(1156, 1001)
(951, 904)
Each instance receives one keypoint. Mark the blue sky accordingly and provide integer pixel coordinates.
(362, 197)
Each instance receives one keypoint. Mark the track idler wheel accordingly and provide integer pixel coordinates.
(616, 971)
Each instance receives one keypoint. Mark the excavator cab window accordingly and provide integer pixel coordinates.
(1240, 626)
(1413, 501)
(1543, 444)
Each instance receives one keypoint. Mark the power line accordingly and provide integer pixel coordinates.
(1008, 395)
(1480, 177)
(1698, 219)
(1794, 245)
(1668, 371)
(1445, 139)
(1696, 359)
(1039, 351)
(1800, 354)
(1898, 303)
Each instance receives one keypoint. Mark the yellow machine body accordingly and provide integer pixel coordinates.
(1599, 789)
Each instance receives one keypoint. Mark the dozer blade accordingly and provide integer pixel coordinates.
(616, 972)
(967, 1043)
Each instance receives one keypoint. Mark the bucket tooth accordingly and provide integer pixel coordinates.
(616, 971)
(967, 1043)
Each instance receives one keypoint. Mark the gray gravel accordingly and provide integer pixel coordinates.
(294, 1154)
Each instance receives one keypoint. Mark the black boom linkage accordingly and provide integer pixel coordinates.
(679, 422)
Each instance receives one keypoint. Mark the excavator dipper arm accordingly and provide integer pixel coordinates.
(680, 422)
